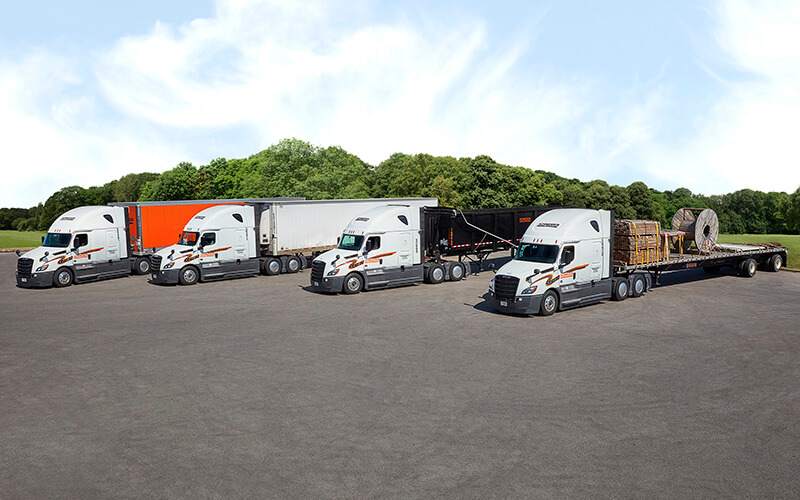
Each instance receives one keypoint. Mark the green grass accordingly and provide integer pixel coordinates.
(790, 241)
(20, 239)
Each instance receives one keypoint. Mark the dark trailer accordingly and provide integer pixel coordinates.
(467, 233)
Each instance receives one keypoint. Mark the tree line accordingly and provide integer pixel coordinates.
(296, 168)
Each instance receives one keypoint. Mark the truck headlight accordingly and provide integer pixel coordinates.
(42, 268)
(529, 290)
(333, 272)
(168, 265)
(491, 285)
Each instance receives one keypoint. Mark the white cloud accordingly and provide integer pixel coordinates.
(51, 137)
(374, 89)
(318, 71)
(749, 139)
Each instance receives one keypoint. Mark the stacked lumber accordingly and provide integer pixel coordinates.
(639, 242)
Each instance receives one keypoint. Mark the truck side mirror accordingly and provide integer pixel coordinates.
(18, 252)
(567, 257)
(42, 239)
(492, 269)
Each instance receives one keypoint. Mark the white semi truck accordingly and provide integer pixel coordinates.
(234, 241)
(565, 260)
(401, 245)
(102, 242)
(84, 244)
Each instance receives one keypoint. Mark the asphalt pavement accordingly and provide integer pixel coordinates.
(260, 388)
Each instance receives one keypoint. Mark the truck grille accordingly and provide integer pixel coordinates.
(505, 287)
(24, 266)
(155, 262)
(317, 270)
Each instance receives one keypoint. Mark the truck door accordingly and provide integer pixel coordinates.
(404, 249)
(240, 244)
(595, 260)
(112, 245)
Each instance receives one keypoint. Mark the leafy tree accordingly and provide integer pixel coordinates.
(175, 184)
(129, 187)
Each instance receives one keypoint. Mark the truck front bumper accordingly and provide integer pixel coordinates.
(332, 284)
(165, 277)
(526, 304)
(35, 280)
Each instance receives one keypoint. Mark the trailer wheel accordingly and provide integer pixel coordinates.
(638, 286)
(620, 289)
(142, 265)
(272, 266)
(549, 303)
(457, 271)
(775, 263)
(353, 283)
(436, 274)
(63, 277)
(748, 268)
(293, 264)
(189, 275)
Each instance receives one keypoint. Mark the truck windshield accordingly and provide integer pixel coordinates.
(188, 238)
(537, 253)
(351, 242)
(56, 240)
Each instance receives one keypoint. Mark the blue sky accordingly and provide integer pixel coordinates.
(699, 94)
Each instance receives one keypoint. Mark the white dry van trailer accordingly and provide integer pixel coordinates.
(565, 260)
(234, 241)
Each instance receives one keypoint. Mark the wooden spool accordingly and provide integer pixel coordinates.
(703, 230)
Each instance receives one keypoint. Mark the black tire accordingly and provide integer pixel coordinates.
(748, 267)
(621, 288)
(353, 283)
(711, 269)
(775, 263)
(142, 265)
(457, 271)
(63, 277)
(293, 265)
(303, 261)
(549, 303)
(638, 285)
(189, 276)
(272, 266)
(436, 274)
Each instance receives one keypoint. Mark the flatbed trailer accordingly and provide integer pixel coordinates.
(724, 255)
(566, 259)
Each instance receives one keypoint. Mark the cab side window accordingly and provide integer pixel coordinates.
(373, 243)
(208, 239)
(80, 240)
(567, 255)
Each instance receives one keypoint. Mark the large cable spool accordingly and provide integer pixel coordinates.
(703, 229)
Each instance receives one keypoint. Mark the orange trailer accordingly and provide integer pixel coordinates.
(157, 224)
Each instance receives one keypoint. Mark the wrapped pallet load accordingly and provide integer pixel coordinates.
(639, 242)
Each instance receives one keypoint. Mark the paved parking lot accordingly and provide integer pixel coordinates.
(260, 388)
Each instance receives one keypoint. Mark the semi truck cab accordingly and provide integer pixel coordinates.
(83, 244)
(563, 260)
(217, 242)
(378, 248)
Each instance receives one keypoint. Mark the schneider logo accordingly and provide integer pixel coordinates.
(547, 224)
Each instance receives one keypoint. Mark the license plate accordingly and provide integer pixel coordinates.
(316, 283)
(504, 303)
(155, 275)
